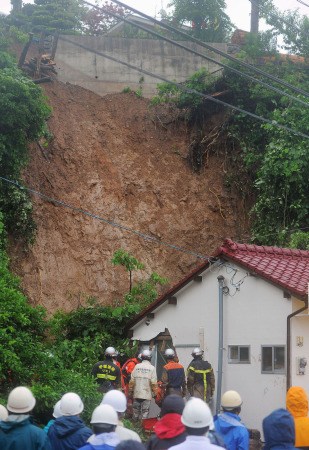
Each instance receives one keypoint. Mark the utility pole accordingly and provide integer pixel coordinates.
(254, 16)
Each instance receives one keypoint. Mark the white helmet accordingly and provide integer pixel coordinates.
(104, 414)
(146, 354)
(116, 399)
(57, 413)
(110, 351)
(196, 414)
(231, 400)
(3, 413)
(169, 353)
(71, 404)
(197, 351)
(21, 400)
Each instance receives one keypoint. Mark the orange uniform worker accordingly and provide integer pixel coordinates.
(297, 405)
(126, 371)
(173, 375)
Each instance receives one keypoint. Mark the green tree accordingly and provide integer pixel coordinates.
(206, 18)
(49, 16)
(129, 262)
(23, 114)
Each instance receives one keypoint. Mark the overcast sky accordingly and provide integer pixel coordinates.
(238, 10)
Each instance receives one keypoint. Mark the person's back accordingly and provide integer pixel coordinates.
(18, 431)
(69, 432)
(173, 375)
(200, 377)
(279, 430)
(297, 405)
(169, 430)
(228, 423)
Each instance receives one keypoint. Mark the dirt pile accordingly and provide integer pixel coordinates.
(111, 157)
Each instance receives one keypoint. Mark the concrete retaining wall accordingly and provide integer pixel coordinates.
(84, 68)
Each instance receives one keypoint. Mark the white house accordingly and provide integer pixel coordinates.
(263, 323)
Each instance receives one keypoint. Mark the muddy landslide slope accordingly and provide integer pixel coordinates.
(111, 157)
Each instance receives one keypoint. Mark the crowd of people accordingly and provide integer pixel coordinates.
(185, 422)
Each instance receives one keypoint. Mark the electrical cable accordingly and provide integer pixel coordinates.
(208, 58)
(211, 48)
(303, 3)
(188, 90)
(144, 236)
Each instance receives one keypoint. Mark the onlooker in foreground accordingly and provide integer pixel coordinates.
(143, 386)
(69, 432)
(297, 405)
(279, 430)
(18, 433)
(130, 445)
(197, 419)
(3, 413)
(228, 424)
(118, 401)
(56, 414)
(104, 421)
(169, 430)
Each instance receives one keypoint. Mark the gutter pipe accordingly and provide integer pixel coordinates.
(288, 343)
(220, 343)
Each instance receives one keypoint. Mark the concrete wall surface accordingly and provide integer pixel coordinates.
(82, 67)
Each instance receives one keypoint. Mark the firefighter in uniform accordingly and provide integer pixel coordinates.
(173, 375)
(200, 377)
(106, 373)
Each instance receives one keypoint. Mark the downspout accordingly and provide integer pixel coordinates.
(288, 344)
(220, 344)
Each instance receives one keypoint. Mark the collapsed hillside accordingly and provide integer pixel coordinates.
(114, 157)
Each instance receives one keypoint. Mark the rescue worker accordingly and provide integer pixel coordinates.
(143, 386)
(69, 432)
(197, 419)
(173, 375)
(279, 430)
(126, 371)
(106, 373)
(104, 421)
(200, 377)
(297, 405)
(118, 401)
(115, 359)
(18, 432)
(228, 424)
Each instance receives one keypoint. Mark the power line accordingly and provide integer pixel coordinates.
(189, 90)
(194, 52)
(213, 49)
(303, 3)
(144, 236)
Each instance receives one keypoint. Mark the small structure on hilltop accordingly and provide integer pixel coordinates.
(247, 308)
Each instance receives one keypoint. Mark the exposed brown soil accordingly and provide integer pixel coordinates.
(112, 158)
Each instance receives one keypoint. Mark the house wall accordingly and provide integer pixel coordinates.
(254, 315)
(299, 345)
(79, 66)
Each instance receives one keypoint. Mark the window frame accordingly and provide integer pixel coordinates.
(238, 361)
(274, 371)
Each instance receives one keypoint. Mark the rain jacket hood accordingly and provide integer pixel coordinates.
(297, 402)
(19, 433)
(169, 426)
(66, 425)
(10, 425)
(228, 421)
(232, 430)
(279, 430)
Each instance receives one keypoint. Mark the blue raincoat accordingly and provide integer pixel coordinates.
(233, 432)
(22, 435)
(68, 433)
(279, 430)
